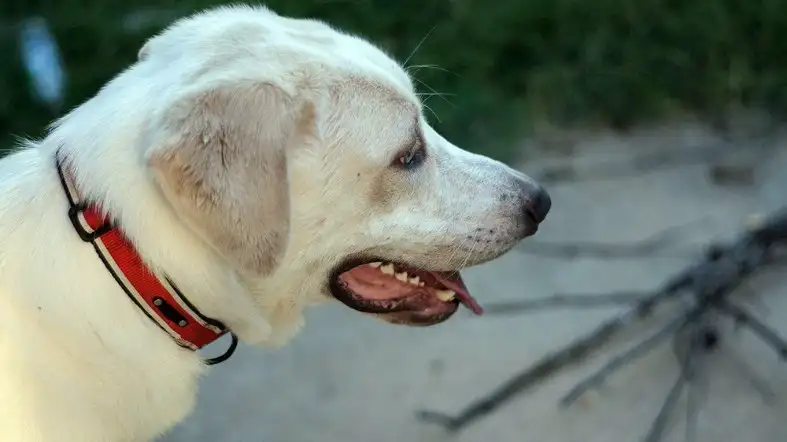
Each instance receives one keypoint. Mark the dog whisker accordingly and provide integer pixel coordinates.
(415, 68)
(434, 91)
(418, 46)
(426, 106)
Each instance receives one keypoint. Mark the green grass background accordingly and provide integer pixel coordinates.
(504, 65)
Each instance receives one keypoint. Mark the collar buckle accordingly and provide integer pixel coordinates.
(76, 213)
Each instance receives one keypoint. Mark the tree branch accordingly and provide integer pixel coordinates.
(630, 356)
(574, 353)
(687, 365)
(711, 281)
(649, 246)
(566, 300)
(644, 163)
(767, 334)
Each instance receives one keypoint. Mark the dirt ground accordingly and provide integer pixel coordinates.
(348, 378)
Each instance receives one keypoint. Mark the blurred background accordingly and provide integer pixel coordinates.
(638, 116)
(507, 65)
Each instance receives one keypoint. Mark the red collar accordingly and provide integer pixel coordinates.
(157, 296)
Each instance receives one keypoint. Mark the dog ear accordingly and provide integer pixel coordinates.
(221, 162)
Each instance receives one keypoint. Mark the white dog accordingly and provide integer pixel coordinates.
(246, 166)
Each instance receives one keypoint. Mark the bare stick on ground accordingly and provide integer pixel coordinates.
(687, 371)
(702, 341)
(652, 245)
(567, 300)
(708, 284)
(629, 356)
(654, 161)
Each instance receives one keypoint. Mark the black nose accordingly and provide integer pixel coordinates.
(537, 203)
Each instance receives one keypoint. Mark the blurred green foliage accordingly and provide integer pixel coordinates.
(502, 65)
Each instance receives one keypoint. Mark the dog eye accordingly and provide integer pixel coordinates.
(412, 158)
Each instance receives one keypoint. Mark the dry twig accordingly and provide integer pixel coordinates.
(652, 245)
(649, 162)
(708, 284)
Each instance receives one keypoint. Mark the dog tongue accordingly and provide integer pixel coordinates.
(454, 282)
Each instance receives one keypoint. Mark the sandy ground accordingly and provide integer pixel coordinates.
(349, 378)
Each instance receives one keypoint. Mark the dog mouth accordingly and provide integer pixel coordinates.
(401, 293)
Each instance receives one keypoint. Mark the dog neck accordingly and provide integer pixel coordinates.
(120, 185)
(105, 154)
(155, 295)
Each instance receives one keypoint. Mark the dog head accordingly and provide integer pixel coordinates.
(302, 156)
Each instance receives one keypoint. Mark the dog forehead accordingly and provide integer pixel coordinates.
(372, 116)
(373, 103)
(255, 32)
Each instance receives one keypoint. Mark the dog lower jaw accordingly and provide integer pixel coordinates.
(416, 319)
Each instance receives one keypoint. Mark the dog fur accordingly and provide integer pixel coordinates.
(245, 155)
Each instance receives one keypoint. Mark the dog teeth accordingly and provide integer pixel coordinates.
(446, 295)
(389, 269)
